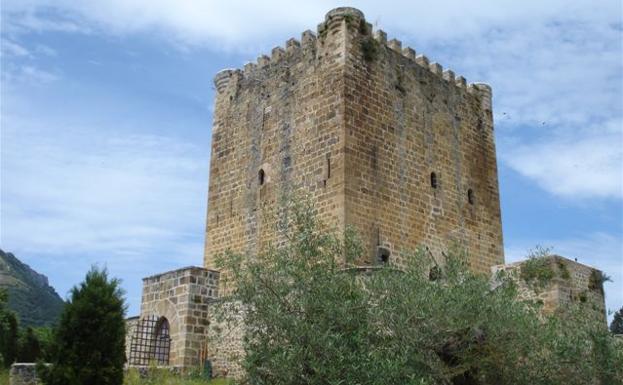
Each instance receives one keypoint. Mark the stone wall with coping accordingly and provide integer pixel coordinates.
(24, 373)
(572, 282)
(182, 297)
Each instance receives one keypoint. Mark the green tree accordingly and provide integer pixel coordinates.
(312, 317)
(8, 332)
(45, 336)
(616, 326)
(28, 346)
(89, 341)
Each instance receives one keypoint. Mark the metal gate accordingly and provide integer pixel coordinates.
(151, 342)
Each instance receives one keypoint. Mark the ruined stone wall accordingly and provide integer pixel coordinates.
(359, 124)
(571, 282)
(182, 297)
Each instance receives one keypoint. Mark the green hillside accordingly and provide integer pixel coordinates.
(30, 296)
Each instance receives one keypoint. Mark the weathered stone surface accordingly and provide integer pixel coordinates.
(360, 133)
(130, 328)
(181, 297)
(23, 374)
(571, 282)
(225, 347)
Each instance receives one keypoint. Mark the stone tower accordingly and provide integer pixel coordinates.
(378, 137)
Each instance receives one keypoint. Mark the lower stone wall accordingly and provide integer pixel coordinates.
(24, 373)
(130, 328)
(179, 297)
(225, 339)
(571, 282)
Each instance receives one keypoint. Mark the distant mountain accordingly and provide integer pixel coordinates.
(30, 296)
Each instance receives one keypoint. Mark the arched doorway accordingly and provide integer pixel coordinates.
(162, 342)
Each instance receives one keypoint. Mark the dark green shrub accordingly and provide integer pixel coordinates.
(89, 343)
(8, 332)
(28, 347)
(616, 326)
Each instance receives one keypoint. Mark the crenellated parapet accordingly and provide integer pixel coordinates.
(423, 61)
(355, 24)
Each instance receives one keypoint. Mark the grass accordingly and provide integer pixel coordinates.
(4, 376)
(164, 377)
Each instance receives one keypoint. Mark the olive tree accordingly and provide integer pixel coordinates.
(313, 317)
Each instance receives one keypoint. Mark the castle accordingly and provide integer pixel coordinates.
(378, 137)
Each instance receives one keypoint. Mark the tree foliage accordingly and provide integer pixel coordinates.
(616, 326)
(29, 347)
(313, 318)
(8, 332)
(89, 341)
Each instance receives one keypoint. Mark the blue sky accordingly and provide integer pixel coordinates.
(106, 111)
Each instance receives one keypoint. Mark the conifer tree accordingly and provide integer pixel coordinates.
(89, 343)
(616, 326)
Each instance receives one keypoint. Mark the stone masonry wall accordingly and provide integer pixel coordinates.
(281, 117)
(358, 124)
(24, 374)
(571, 283)
(182, 297)
(225, 339)
(130, 328)
(406, 119)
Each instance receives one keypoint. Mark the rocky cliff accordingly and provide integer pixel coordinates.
(30, 295)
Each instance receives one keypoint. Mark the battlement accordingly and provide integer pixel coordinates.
(353, 21)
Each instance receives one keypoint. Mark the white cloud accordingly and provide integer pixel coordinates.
(11, 48)
(33, 74)
(575, 166)
(45, 50)
(94, 190)
(554, 66)
(236, 22)
(78, 194)
(601, 250)
(14, 75)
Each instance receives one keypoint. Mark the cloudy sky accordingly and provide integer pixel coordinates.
(106, 110)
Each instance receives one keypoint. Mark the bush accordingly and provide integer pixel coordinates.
(29, 347)
(90, 338)
(8, 332)
(616, 326)
(311, 319)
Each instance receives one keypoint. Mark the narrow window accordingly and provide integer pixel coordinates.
(328, 168)
(261, 176)
(470, 196)
(433, 180)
